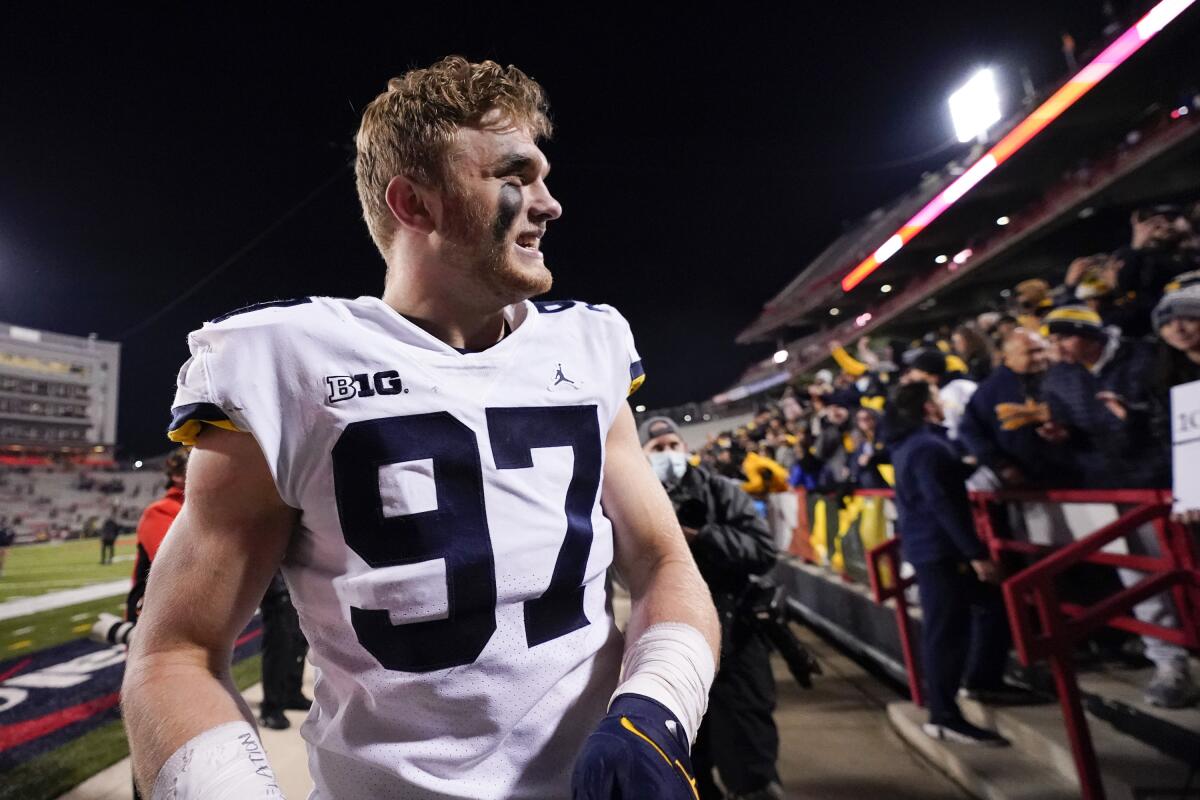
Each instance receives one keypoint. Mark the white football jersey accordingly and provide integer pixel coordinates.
(450, 567)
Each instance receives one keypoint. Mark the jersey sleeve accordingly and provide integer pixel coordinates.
(628, 350)
(196, 403)
(637, 373)
(240, 377)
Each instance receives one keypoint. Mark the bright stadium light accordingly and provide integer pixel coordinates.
(962, 255)
(137, 465)
(887, 287)
(641, 409)
(780, 356)
(687, 417)
(975, 106)
(1116, 53)
(833, 312)
(941, 259)
(1002, 221)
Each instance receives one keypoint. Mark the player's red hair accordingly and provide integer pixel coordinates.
(407, 130)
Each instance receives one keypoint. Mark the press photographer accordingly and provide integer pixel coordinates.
(731, 544)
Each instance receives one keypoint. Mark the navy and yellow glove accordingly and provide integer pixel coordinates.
(639, 750)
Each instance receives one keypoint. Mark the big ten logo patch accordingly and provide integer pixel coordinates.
(365, 384)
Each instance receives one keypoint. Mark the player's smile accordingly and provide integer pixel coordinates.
(529, 244)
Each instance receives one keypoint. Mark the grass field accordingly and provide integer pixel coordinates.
(33, 570)
(48, 776)
(34, 632)
(36, 569)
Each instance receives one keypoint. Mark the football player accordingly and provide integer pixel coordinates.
(446, 474)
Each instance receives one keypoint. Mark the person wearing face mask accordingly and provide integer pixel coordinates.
(730, 543)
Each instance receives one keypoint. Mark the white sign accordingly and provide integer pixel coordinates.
(1185, 445)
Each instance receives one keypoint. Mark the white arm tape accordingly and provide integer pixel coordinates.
(223, 763)
(672, 663)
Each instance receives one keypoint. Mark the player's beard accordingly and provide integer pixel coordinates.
(483, 240)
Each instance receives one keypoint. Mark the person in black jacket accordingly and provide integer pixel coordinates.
(283, 651)
(964, 632)
(108, 539)
(7, 537)
(730, 543)
(1177, 321)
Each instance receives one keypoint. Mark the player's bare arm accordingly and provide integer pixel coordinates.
(650, 551)
(207, 580)
(672, 642)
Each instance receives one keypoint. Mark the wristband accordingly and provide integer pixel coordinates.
(223, 763)
(672, 664)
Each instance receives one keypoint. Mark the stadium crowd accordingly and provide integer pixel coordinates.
(1065, 385)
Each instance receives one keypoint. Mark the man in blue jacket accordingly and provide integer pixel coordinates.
(1000, 425)
(964, 633)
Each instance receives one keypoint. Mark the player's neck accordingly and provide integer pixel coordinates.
(455, 317)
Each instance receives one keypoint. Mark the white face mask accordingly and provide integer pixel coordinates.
(669, 465)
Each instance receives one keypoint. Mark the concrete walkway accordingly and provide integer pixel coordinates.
(836, 742)
(11, 609)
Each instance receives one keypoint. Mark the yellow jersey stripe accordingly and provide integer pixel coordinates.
(187, 433)
(629, 726)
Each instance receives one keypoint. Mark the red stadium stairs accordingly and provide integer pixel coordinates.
(1143, 752)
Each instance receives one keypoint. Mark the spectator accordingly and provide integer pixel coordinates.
(764, 475)
(834, 443)
(1099, 402)
(730, 543)
(929, 365)
(869, 451)
(1159, 249)
(790, 406)
(1031, 302)
(999, 427)
(806, 467)
(1177, 320)
(964, 630)
(974, 349)
(1005, 325)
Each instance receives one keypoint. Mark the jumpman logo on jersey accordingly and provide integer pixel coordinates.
(561, 378)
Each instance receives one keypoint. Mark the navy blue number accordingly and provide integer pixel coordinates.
(456, 531)
(514, 432)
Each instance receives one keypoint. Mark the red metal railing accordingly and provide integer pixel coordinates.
(890, 586)
(1044, 626)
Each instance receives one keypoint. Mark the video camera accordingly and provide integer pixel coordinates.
(764, 607)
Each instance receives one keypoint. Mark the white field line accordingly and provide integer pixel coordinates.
(70, 597)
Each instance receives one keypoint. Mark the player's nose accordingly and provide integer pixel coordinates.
(544, 207)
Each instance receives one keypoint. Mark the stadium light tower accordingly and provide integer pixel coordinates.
(975, 106)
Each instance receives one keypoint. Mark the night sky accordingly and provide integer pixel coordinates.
(701, 160)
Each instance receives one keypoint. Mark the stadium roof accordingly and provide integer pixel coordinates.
(1073, 183)
(1096, 124)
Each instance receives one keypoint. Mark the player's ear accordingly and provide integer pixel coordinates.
(409, 204)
